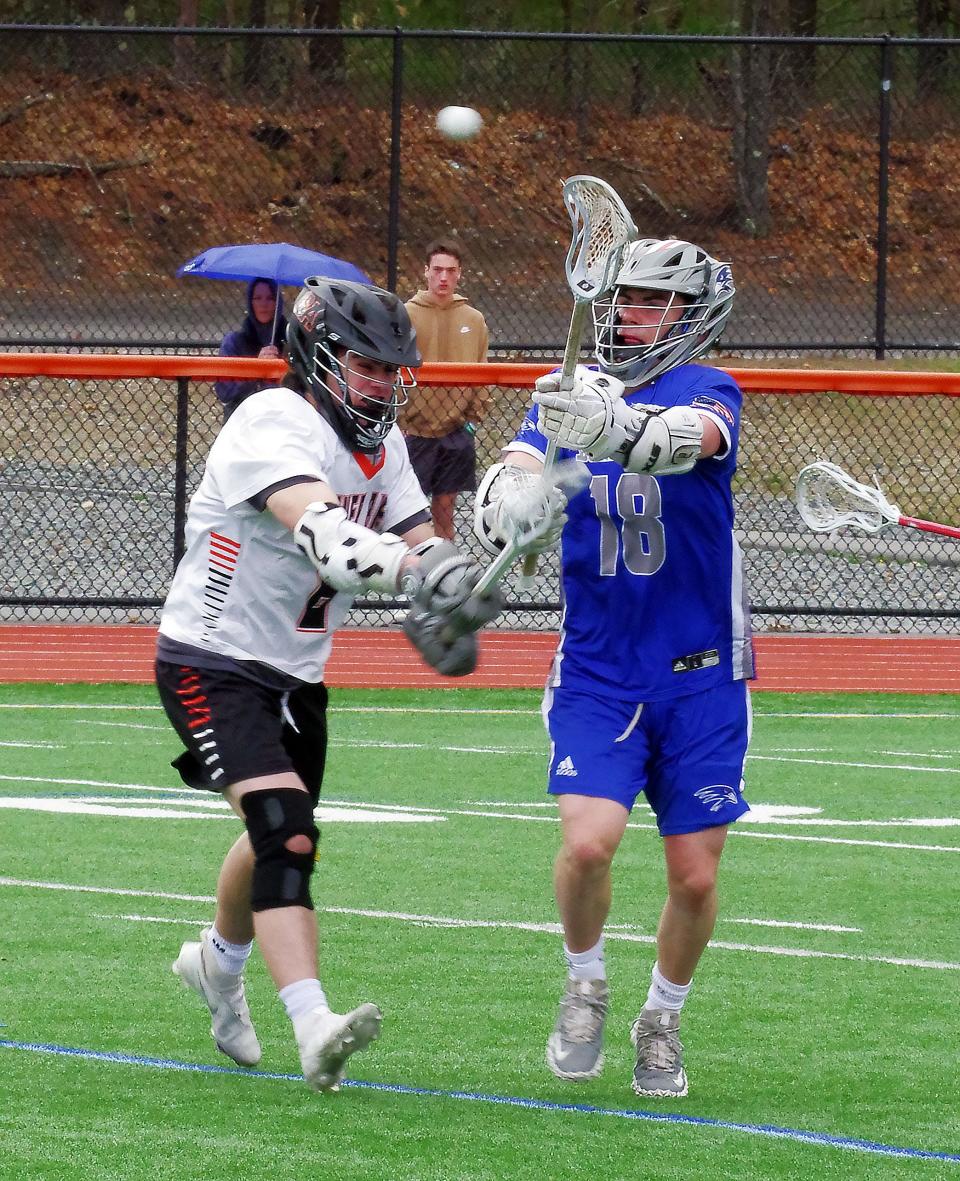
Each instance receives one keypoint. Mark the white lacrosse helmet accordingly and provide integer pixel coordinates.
(702, 283)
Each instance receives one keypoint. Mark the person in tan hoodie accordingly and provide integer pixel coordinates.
(438, 422)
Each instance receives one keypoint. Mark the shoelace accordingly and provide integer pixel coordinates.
(658, 1049)
(582, 1016)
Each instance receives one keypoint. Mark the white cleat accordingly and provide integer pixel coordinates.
(326, 1040)
(232, 1028)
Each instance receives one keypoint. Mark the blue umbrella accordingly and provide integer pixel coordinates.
(270, 260)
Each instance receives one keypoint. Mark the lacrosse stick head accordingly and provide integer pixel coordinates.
(828, 498)
(638, 345)
(602, 229)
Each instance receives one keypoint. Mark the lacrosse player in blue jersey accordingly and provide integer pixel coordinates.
(647, 693)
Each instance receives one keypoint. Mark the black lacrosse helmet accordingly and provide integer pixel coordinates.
(332, 315)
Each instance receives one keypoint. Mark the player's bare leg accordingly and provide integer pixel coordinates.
(287, 934)
(234, 918)
(690, 912)
(442, 508)
(592, 830)
(686, 924)
(200, 964)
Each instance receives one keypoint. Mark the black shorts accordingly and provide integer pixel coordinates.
(235, 728)
(447, 464)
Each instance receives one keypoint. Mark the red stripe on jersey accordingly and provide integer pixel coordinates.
(227, 541)
(370, 464)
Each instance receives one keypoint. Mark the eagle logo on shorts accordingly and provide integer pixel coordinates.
(716, 795)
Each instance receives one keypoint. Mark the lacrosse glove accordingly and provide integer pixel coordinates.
(444, 615)
(514, 506)
(592, 417)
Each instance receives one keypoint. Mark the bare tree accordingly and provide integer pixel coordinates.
(639, 89)
(751, 74)
(326, 54)
(933, 20)
(803, 23)
(254, 47)
(184, 48)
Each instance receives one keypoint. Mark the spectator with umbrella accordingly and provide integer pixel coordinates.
(265, 265)
(263, 333)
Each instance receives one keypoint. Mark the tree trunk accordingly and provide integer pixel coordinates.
(326, 54)
(803, 23)
(185, 48)
(254, 48)
(751, 75)
(933, 20)
(639, 89)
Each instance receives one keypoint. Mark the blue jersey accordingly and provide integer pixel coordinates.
(655, 605)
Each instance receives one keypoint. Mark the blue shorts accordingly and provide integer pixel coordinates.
(686, 754)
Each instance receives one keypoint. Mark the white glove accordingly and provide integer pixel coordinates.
(584, 417)
(514, 505)
(592, 417)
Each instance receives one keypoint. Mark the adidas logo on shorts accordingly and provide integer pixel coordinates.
(566, 767)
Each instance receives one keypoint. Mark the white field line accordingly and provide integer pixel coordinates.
(787, 836)
(539, 752)
(797, 926)
(735, 830)
(447, 922)
(865, 766)
(919, 754)
(124, 725)
(35, 745)
(834, 927)
(824, 715)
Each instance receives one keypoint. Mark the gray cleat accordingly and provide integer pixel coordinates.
(659, 1072)
(575, 1048)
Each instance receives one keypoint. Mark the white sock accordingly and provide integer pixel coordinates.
(303, 996)
(229, 957)
(586, 965)
(664, 994)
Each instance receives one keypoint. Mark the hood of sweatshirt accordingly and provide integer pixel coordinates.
(425, 299)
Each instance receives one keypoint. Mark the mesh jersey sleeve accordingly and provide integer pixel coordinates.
(406, 503)
(273, 436)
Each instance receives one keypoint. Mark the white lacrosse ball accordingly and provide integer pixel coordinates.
(459, 122)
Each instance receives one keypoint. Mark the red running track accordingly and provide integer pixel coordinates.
(382, 659)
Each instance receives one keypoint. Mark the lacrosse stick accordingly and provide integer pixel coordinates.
(570, 477)
(828, 499)
(602, 229)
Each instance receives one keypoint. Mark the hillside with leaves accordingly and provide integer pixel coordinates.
(111, 185)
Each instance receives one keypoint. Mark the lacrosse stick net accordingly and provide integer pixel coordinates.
(602, 230)
(828, 498)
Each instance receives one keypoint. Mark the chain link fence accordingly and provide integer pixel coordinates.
(95, 474)
(826, 171)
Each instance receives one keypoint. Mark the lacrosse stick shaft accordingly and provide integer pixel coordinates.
(928, 526)
(571, 353)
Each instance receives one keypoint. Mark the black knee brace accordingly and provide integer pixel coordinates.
(280, 876)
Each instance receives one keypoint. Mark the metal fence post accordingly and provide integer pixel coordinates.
(180, 471)
(396, 119)
(883, 198)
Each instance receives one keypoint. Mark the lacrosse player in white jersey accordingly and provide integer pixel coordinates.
(308, 499)
(648, 688)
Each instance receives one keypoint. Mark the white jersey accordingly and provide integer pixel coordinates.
(243, 588)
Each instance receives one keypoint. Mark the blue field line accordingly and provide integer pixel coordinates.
(771, 1130)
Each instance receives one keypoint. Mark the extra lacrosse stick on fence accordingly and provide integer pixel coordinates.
(602, 229)
(828, 499)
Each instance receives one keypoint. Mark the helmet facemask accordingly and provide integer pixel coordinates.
(370, 417)
(343, 337)
(687, 275)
